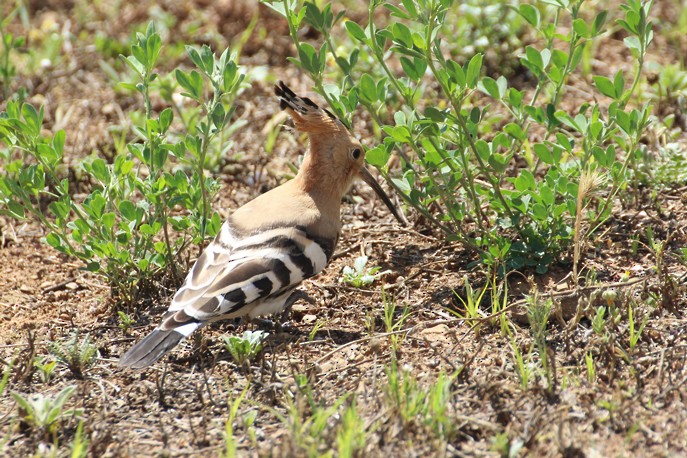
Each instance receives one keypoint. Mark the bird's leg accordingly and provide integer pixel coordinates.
(279, 321)
(288, 305)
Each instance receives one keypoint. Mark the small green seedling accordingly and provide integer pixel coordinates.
(245, 348)
(76, 354)
(44, 412)
(125, 321)
(46, 368)
(358, 276)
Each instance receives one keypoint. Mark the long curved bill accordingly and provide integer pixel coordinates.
(370, 180)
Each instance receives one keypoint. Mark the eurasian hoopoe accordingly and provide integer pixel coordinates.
(271, 244)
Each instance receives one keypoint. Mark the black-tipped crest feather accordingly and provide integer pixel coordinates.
(289, 99)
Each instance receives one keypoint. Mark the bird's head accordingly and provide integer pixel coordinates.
(336, 157)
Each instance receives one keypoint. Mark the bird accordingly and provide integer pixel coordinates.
(268, 246)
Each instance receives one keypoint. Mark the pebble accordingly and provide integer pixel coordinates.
(26, 289)
(307, 319)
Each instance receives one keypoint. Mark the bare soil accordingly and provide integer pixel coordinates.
(635, 405)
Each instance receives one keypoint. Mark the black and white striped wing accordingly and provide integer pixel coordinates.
(252, 276)
(232, 276)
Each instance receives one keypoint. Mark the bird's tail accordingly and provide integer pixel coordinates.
(156, 345)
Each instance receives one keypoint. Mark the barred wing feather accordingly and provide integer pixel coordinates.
(233, 277)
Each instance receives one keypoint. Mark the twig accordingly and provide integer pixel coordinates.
(59, 285)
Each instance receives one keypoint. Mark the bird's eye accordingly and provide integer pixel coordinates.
(356, 153)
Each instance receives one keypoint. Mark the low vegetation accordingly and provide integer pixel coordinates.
(534, 305)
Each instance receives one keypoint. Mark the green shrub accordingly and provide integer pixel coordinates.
(122, 229)
(491, 165)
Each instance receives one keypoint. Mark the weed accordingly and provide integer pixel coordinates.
(453, 162)
(46, 368)
(538, 312)
(76, 354)
(6, 376)
(599, 321)
(319, 324)
(125, 321)
(506, 447)
(472, 301)
(418, 404)
(8, 45)
(351, 435)
(122, 228)
(392, 322)
(244, 349)
(591, 369)
(634, 331)
(45, 413)
(404, 393)
(310, 423)
(359, 275)
(79, 447)
(229, 440)
(523, 367)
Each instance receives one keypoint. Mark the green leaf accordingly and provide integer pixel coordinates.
(524, 181)
(515, 131)
(48, 155)
(93, 266)
(192, 82)
(135, 65)
(547, 195)
(231, 77)
(543, 153)
(153, 46)
(534, 57)
(498, 162)
(515, 97)
(605, 86)
(108, 220)
(356, 31)
(16, 210)
(195, 56)
(218, 116)
(54, 241)
(308, 57)
(633, 44)
(414, 68)
(599, 21)
(33, 119)
(402, 35)
(530, 14)
(368, 89)
(58, 142)
(435, 115)
(619, 83)
(473, 71)
(398, 133)
(166, 118)
(483, 149)
(99, 170)
(456, 73)
(580, 27)
(559, 58)
(402, 184)
(208, 59)
(489, 87)
(396, 11)
(378, 156)
(128, 210)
